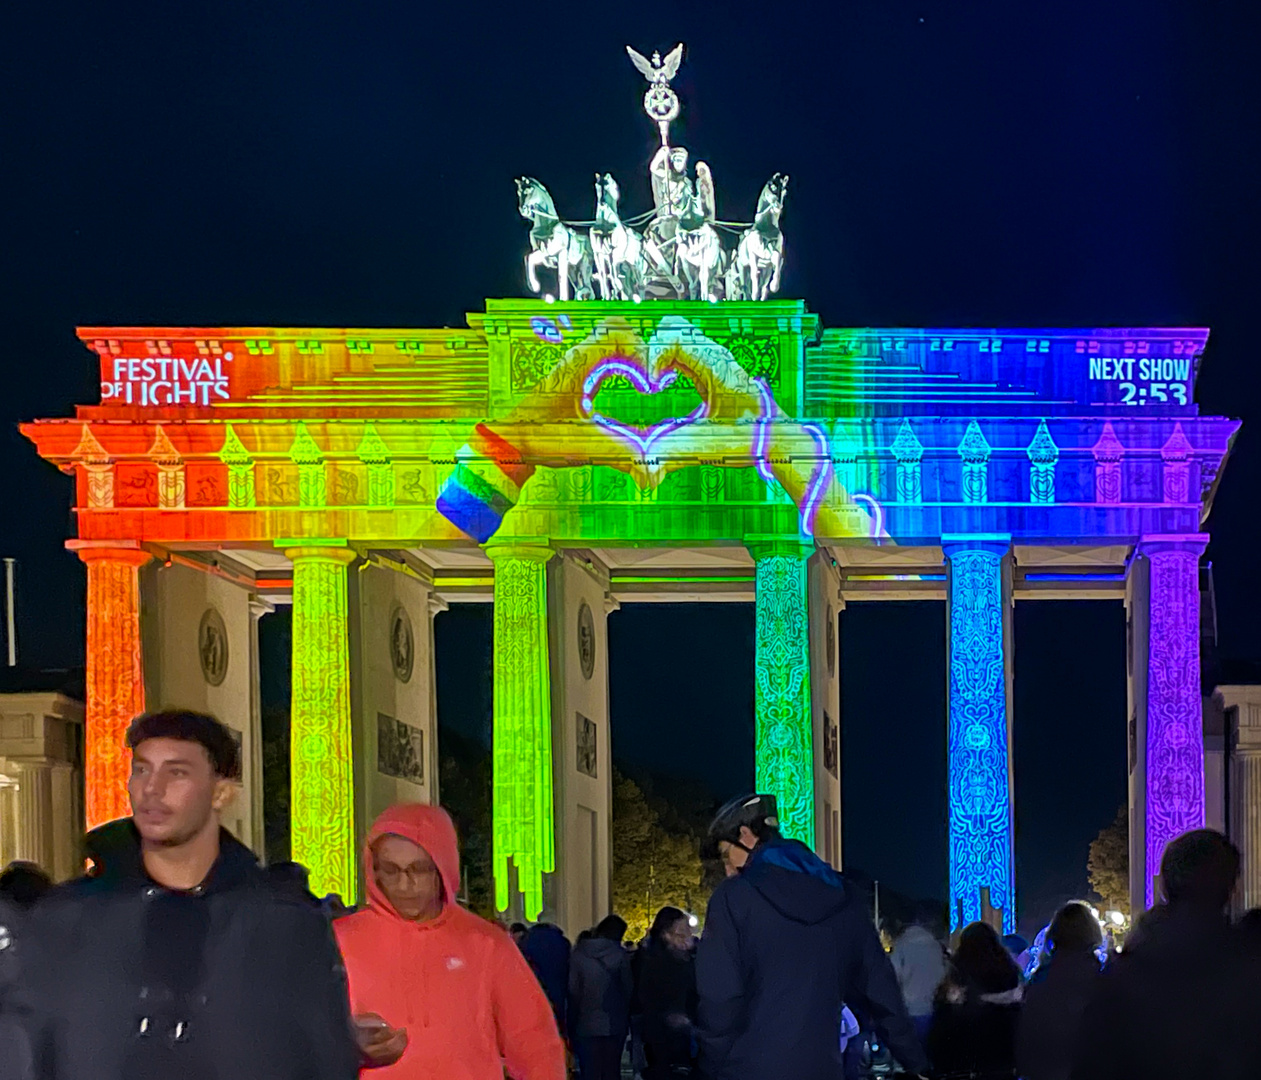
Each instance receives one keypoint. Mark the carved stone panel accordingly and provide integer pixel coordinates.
(212, 647)
(402, 644)
(586, 641)
(588, 750)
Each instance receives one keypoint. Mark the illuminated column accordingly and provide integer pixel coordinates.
(322, 802)
(524, 831)
(254, 780)
(578, 894)
(785, 741)
(115, 679)
(979, 676)
(825, 697)
(1166, 736)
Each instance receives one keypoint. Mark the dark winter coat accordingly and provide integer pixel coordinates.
(546, 950)
(600, 988)
(973, 1030)
(15, 1060)
(1050, 1022)
(666, 998)
(785, 944)
(1183, 1000)
(131, 981)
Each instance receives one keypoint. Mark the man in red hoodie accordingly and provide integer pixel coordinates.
(438, 993)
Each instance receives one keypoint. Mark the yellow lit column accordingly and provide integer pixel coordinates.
(524, 828)
(321, 782)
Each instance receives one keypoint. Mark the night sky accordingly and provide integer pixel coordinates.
(979, 164)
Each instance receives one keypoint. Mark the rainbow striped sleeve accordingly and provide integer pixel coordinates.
(484, 485)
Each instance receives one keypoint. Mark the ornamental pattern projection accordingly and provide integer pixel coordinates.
(980, 795)
(1175, 740)
(785, 745)
(322, 774)
(115, 680)
(524, 833)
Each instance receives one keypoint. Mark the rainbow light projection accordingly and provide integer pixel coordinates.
(981, 827)
(672, 424)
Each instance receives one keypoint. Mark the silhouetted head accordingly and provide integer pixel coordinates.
(1074, 930)
(611, 928)
(23, 884)
(1200, 869)
(983, 960)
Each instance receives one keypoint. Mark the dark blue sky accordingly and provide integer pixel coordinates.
(326, 163)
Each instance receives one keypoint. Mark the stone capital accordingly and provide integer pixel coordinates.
(769, 546)
(128, 552)
(533, 548)
(1194, 543)
(997, 543)
(260, 607)
(329, 552)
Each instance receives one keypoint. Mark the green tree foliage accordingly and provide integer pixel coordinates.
(652, 866)
(1108, 864)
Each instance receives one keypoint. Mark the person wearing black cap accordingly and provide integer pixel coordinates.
(786, 945)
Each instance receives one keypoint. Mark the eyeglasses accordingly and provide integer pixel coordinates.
(417, 871)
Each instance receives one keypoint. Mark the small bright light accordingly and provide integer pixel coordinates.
(637, 298)
(693, 921)
(548, 298)
(227, 356)
(1116, 918)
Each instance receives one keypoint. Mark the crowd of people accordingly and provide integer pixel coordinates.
(177, 955)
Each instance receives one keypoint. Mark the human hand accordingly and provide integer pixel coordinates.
(379, 1043)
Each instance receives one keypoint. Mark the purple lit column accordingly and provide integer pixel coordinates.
(1166, 735)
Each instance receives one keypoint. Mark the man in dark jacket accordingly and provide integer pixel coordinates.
(1184, 998)
(178, 959)
(784, 948)
(15, 1059)
(546, 950)
(600, 989)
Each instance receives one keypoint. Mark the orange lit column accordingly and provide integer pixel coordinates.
(115, 676)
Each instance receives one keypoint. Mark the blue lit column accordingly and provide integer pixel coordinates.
(979, 659)
(785, 738)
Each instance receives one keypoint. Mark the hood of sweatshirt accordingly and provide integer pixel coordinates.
(605, 952)
(429, 827)
(796, 882)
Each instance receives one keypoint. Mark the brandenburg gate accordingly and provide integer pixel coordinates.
(685, 437)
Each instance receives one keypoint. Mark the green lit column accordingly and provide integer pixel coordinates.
(321, 781)
(785, 741)
(524, 829)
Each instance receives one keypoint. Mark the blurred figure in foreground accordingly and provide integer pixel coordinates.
(23, 884)
(437, 991)
(1056, 999)
(665, 994)
(977, 1009)
(178, 958)
(1184, 997)
(600, 989)
(15, 1055)
(919, 961)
